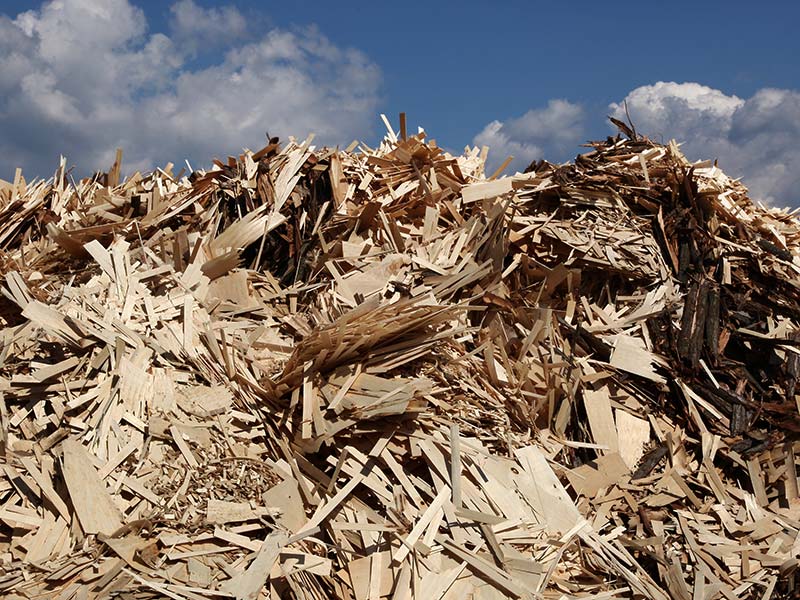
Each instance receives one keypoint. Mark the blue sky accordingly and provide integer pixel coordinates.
(195, 78)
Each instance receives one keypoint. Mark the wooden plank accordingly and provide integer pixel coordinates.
(93, 504)
(420, 525)
(601, 420)
(633, 434)
(248, 585)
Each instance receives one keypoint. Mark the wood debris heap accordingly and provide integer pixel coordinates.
(379, 373)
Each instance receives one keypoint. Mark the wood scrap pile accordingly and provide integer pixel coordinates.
(379, 373)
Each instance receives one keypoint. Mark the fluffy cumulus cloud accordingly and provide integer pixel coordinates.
(84, 77)
(200, 28)
(754, 138)
(548, 132)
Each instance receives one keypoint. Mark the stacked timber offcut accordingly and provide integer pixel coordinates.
(379, 373)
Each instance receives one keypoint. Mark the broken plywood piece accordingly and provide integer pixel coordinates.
(93, 505)
(204, 401)
(633, 435)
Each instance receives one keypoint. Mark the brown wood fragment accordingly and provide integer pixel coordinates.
(92, 503)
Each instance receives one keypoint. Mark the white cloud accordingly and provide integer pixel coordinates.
(690, 106)
(207, 28)
(83, 77)
(540, 133)
(755, 139)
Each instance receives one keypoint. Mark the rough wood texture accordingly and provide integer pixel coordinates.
(314, 373)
